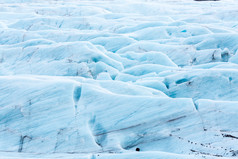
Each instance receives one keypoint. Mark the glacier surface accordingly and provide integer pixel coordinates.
(99, 79)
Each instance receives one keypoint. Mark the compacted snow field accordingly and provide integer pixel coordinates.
(99, 79)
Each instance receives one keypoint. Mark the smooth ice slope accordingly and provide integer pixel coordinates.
(98, 79)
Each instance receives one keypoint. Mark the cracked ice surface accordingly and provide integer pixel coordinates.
(98, 79)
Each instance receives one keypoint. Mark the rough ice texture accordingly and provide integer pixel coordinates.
(98, 79)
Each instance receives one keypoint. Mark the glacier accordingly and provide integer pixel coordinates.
(100, 79)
